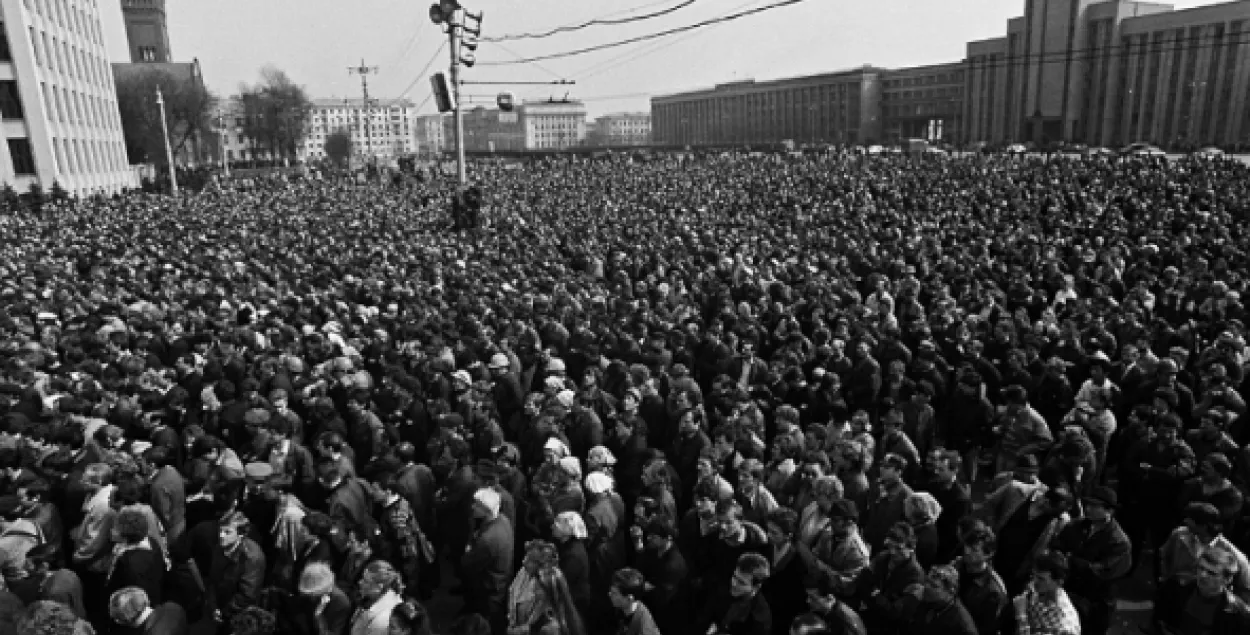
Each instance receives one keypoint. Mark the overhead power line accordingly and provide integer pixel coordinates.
(425, 68)
(650, 36)
(649, 49)
(584, 25)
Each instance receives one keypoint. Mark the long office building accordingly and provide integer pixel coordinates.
(1111, 73)
(841, 107)
(59, 105)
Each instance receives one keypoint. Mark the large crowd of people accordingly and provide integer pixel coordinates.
(724, 394)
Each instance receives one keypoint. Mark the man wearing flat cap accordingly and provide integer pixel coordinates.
(1099, 554)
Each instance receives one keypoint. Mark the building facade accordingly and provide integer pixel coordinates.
(553, 125)
(841, 107)
(622, 129)
(384, 129)
(1113, 72)
(923, 102)
(432, 137)
(488, 130)
(147, 32)
(58, 102)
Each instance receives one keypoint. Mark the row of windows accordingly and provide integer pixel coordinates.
(67, 15)
(928, 93)
(70, 106)
(939, 78)
(89, 156)
(69, 60)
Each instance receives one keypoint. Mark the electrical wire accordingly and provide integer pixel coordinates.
(583, 25)
(535, 64)
(643, 51)
(650, 36)
(425, 68)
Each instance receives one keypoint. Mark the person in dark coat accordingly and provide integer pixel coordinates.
(132, 610)
(664, 568)
(139, 563)
(237, 571)
(740, 608)
(347, 500)
(1210, 595)
(934, 608)
(570, 535)
(1099, 554)
(883, 584)
(785, 589)
(486, 566)
(321, 607)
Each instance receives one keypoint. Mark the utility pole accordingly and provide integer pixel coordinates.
(364, 72)
(169, 152)
(457, 112)
(456, 17)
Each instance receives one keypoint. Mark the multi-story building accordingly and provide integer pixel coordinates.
(58, 102)
(384, 129)
(432, 136)
(553, 125)
(840, 107)
(623, 129)
(1113, 72)
(489, 130)
(923, 102)
(147, 32)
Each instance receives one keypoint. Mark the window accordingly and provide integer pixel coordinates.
(10, 100)
(147, 53)
(23, 158)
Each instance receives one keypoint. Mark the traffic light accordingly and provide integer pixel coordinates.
(506, 101)
(444, 97)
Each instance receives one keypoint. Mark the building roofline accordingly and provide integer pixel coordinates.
(729, 86)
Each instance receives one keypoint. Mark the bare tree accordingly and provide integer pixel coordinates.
(275, 113)
(188, 108)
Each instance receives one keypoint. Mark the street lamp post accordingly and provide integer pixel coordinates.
(169, 152)
(221, 132)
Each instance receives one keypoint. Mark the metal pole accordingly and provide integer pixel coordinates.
(169, 152)
(225, 163)
(454, 41)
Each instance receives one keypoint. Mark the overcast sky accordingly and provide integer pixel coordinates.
(315, 41)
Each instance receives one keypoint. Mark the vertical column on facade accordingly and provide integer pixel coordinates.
(1231, 130)
(1200, 82)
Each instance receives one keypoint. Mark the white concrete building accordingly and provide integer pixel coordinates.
(58, 100)
(625, 129)
(387, 129)
(553, 125)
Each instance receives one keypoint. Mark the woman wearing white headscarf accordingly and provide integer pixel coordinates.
(569, 533)
(605, 525)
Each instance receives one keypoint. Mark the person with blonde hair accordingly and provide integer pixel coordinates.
(922, 510)
(131, 609)
(380, 590)
(539, 600)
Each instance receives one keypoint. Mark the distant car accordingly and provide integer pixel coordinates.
(1099, 151)
(936, 151)
(1016, 148)
(1209, 152)
(875, 149)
